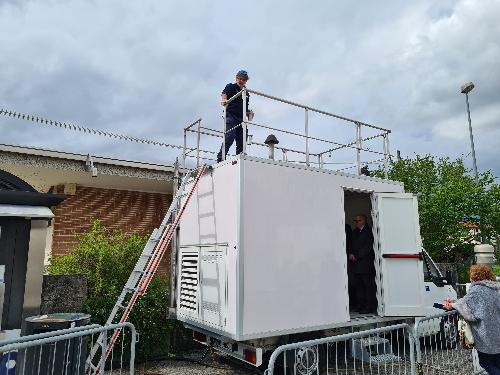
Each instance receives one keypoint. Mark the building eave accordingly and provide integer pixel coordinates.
(47, 153)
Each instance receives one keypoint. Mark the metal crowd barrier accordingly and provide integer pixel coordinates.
(431, 347)
(438, 350)
(387, 350)
(65, 352)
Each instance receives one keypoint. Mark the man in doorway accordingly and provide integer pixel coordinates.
(234, 113)
(362, 261)
(350, 286)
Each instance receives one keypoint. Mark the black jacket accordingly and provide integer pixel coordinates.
(362, 248)
(235, 108)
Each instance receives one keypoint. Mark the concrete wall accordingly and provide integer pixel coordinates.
(34, 271)
(63, 293)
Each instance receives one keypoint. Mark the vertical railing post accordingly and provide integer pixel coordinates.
(104, 349)
(184, 149)
(320, 160)
(132, 350)
(224, 134)
(198, 145)
(245, 119)
(386, 156)
(418, 353)
(175, 244)
(358, 147)
(306, 133)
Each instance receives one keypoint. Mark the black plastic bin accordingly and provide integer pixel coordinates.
(61, 357)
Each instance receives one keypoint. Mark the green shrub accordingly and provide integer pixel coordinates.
(496, 270)
(107, 259)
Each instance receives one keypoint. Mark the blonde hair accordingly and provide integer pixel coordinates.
(480, 272)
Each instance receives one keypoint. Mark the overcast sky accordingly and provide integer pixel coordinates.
(149, 68)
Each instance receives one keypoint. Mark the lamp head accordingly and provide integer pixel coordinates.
(467, 88)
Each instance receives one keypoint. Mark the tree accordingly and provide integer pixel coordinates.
(449, 201)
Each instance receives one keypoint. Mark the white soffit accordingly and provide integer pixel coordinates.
(25, 211)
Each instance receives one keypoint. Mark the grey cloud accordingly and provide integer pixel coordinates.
(147, 69)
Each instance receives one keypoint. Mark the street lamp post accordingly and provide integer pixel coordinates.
(465, 90)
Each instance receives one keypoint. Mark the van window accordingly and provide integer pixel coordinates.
(430, 270)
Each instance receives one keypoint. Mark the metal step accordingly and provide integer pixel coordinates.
(382, 358)
(374, 349)
(132, 290)
(373, 340)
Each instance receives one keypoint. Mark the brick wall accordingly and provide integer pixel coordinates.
(130, 211)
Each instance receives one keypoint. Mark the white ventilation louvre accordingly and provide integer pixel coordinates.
(189, 280)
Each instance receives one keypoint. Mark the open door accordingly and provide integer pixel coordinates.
(398, 254)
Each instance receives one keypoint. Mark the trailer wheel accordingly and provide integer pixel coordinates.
(448, 332)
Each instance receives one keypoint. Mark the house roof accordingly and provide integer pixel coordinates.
(15, 191)
(34, 151)
(10, 182)
(44, 168)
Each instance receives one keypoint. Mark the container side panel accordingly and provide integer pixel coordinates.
(294, 255)
(210, 216)
(209, 219)
(213, 287)
(225, 186)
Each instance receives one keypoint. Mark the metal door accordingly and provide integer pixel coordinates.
(398, 254)
(213, 296)
(14, 241)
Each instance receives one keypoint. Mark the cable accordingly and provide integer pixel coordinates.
(64, 125)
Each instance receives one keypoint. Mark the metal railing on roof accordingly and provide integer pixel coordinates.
(305, 155)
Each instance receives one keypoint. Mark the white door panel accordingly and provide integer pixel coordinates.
(399, 265)
(213, 286)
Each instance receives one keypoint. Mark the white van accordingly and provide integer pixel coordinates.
(262, 259)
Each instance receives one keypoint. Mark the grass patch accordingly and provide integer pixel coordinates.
(496, 269)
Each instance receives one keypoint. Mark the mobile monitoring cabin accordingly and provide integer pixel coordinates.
(261, 250)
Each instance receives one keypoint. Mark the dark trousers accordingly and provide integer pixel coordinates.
(365, 291)
(351, 290)
(490, 362)
(233, 134)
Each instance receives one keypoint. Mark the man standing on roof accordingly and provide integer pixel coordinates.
(234, 113)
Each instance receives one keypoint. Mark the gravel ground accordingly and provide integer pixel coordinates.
(212, 364)
(440, 362)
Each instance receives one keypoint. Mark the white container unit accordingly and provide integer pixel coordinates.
(262, 248)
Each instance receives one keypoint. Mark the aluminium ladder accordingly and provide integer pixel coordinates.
(144, 270)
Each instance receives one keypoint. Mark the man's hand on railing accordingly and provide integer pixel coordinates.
(223, 100)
